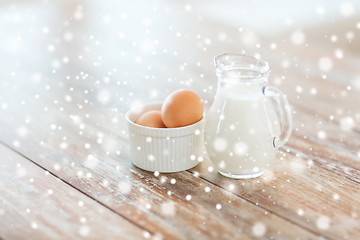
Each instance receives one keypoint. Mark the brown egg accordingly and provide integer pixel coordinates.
(151, 119)
(181, 108)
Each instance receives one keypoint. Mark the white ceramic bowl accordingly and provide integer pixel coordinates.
(164, 149)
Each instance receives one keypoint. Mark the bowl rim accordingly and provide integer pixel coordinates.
(127, 117)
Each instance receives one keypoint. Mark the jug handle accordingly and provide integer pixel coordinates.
(286, 121)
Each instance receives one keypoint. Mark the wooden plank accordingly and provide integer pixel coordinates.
(303, 192)
(36, 204)
(140, 196)
(295, 163)
(300, 201)
(310, 223)
(308, 188)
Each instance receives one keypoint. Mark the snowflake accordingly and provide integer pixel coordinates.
(321, 134)
(347, 9)
(106, 19)
(124, 187)
(21, 172)
(151, 157)
(339, 53)
(240, 148)
(163, 179)
(168, 208)
(104, 96)
(325, 64)
(323, 222)
(300, 212)
(347, 123)
(84, 230)
(333, 38)
(222, 36)
(259, 229)
(83, 219)
(63, 145)
(268, 176)
(298, 37)
(147, 235)
(220, 144)
(51, 48)
(91, 161)
(222, 165)
(313, 91)
(22, 131)
(34, 225)
(78, 14)
(320, 10)
(249, 38)
(4, 106)
(349, 35)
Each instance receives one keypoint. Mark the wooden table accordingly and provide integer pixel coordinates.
(71, 70)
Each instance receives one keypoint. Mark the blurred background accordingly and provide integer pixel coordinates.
(99, 58)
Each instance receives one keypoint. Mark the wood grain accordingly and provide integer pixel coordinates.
(235, 219)
(55, 115)
(278, 191)
(92, 131)
(36, 204)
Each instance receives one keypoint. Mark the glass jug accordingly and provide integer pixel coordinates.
(248, 119)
